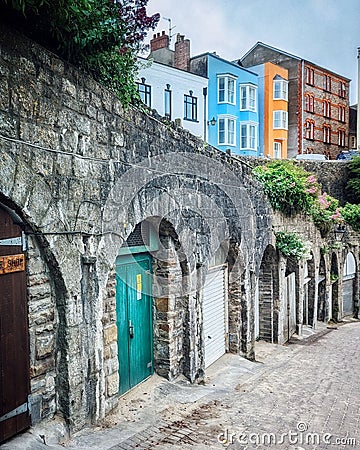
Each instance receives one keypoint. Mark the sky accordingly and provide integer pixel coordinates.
(325, 32)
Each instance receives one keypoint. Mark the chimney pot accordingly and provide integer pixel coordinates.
(159, 41)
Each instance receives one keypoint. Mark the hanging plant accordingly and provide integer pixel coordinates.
(292, 246)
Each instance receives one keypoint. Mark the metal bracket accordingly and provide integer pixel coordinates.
(17, 242)
(15, 412)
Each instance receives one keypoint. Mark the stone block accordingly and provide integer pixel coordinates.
(44, 345)
(112, 384)
(162, 304)
(110, 334)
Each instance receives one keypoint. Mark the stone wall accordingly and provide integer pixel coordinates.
(43, 332)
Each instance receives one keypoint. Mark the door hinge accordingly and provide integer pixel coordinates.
(15, 412)
(17, 241)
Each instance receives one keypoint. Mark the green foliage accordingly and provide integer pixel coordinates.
(101, 36)
(334, 277)
(351, 214)
(353, 185)
(291, 245)
(290, 188)
(326, 213)
(22, 5)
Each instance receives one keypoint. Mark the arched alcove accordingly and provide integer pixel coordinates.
(348, 286)
(269, 295)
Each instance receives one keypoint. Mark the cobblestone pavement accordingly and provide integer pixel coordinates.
(309, 399)
(304, 395)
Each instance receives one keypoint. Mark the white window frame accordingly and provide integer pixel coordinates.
(342, 89)
(341, 138)
(342, 113)
(327, 83)
(327, 108)
(309, 75)
(227, 97)
(283, 90)
(283, 119)
(249, 126)
(309, 102)
(249, 106)
(227, 130)
(327, 134)
(309, 130)
(277, 149)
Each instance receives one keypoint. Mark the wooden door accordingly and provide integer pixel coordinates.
(14, 333)
(134, 320)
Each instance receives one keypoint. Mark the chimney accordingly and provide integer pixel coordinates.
(159, 41)
(182, 53)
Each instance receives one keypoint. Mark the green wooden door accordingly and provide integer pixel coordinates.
(134, 319)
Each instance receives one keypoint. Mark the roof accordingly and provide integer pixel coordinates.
(151, 62)
(232, 63)
(290, 55)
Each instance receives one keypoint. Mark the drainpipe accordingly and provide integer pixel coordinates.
(302, 106)
(358, 105)
(205, 114)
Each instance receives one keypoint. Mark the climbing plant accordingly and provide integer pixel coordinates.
(351, 214)
(353, 185)
(290, 188)
(293, 190)
(292, 246)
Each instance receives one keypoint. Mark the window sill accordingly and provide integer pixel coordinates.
(191, 120)
(226, 103)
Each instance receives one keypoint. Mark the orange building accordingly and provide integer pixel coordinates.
(273, 109)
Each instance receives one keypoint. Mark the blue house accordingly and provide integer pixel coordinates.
(233, 107)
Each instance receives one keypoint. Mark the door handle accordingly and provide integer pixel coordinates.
(131, 330)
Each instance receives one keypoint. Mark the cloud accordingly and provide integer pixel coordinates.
(325, 32)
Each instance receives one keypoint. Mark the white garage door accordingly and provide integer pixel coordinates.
(348, 296)
(214, 314)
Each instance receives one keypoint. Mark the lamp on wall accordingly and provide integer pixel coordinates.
(212, 122)
(339, 232)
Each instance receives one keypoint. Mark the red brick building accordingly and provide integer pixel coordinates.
(318, 102)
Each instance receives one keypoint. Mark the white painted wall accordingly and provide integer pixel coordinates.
(181, 82)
